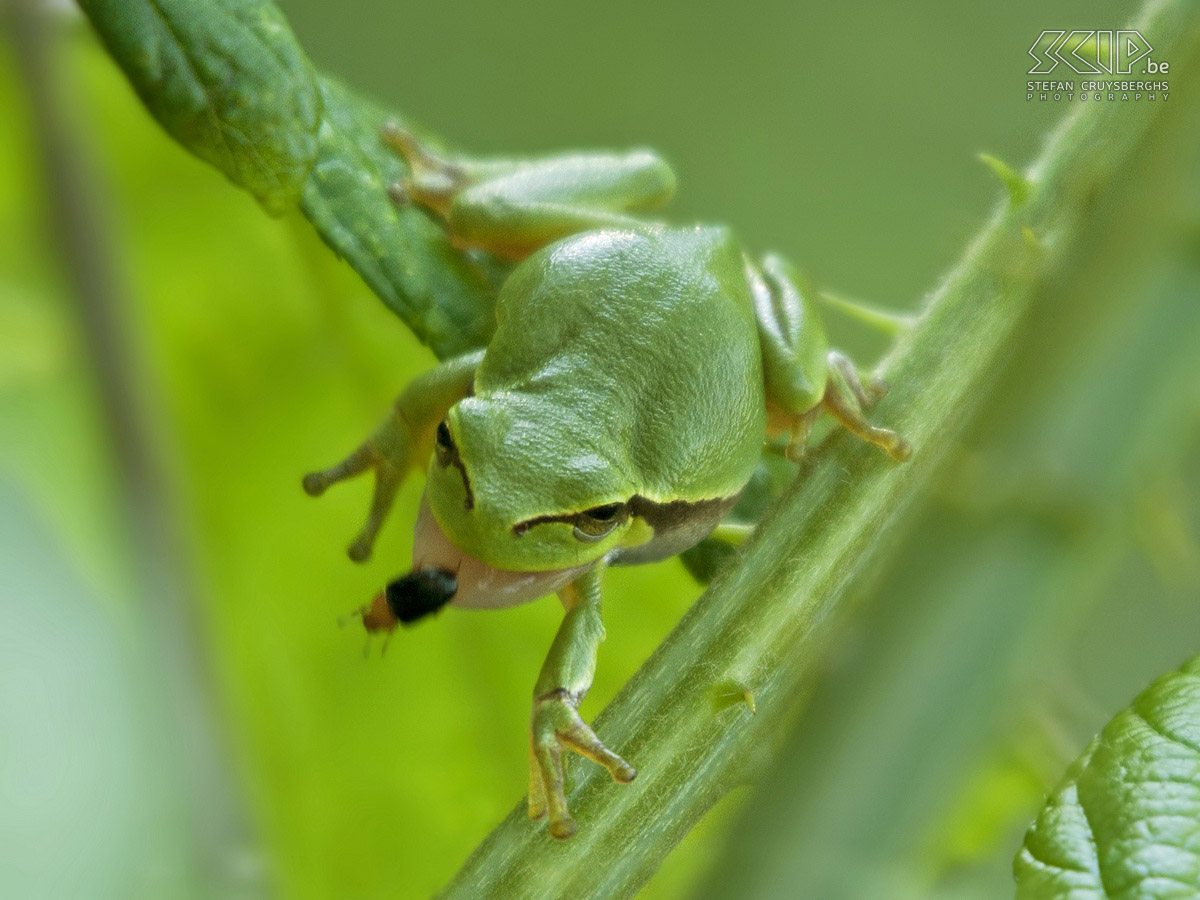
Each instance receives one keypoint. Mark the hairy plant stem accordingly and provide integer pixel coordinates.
(962, 651)
(762, 625)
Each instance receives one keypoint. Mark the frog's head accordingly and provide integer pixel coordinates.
(521, 498)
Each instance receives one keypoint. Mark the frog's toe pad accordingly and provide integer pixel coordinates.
(563, 828)
(795, 451)
(899, 448)
(623, 774)
(314, 484)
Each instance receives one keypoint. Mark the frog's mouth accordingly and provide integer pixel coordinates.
(443, 574)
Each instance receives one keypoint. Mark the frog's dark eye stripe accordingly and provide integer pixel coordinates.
(446, 452)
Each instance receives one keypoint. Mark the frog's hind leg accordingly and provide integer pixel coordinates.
(492, 218)
(803, 377)
(513, 207)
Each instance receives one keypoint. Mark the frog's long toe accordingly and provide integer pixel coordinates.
(316, 483)
(387, 482)
(401, 140)
(432, 180)
(556, 726)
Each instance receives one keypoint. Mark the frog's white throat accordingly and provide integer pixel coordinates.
(480, 586)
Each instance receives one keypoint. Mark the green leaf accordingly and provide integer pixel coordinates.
(227, 80)
(441, 294)
(1125, 821)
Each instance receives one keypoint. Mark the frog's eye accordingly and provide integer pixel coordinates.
(444, 445)
(598, 522)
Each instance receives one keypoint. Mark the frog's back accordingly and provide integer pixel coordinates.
(645, 343)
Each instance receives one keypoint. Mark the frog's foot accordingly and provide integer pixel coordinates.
(433, 181)
(556, 725)
(846, 396)
(868, 392)
(802, 425)
(388, 453)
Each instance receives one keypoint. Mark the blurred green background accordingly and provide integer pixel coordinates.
(181, 714)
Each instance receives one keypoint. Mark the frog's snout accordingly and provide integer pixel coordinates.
(420, 593)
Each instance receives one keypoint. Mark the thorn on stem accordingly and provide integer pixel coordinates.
(1017, 185)
(732, 693)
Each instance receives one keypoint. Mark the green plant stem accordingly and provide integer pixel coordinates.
(1006, 569)
(984, 595)
(764, 622)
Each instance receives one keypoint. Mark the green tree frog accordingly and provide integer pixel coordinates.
(620, 407)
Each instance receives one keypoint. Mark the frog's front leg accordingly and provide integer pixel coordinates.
(803, 376)
(555, 724)
(401, 442)
(513, 207)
